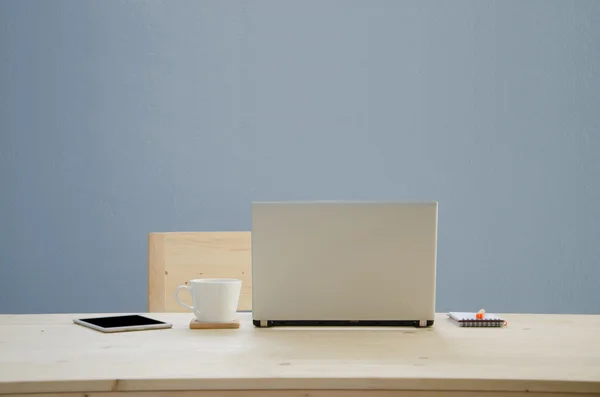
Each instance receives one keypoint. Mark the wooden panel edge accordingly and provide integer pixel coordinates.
(156, 272)
(304, 393)
(415, 384)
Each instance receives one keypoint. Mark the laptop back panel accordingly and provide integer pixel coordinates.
(337, 263)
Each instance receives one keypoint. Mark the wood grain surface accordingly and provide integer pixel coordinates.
(534, 354)
(175, 258)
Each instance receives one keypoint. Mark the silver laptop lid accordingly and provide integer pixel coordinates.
(344, 261)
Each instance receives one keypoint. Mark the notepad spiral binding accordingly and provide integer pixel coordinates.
(465, 319)
(481, 323)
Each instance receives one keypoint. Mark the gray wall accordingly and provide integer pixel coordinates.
(119, 118)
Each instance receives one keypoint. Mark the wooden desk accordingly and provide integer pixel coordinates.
(536, 355)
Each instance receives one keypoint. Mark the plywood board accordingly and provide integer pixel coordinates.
(175, 258)
(533, 354)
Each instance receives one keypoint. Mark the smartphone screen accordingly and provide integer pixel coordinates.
(132, 322)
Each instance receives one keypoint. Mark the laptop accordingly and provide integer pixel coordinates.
(344, 263)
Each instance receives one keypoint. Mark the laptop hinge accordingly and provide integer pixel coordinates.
(264, 323)
(422, 323)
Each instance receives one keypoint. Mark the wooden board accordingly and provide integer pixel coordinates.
(533, 354)
(306, 393)
(194, 324)
(175, 258)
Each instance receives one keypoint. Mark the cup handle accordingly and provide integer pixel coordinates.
(177, 296)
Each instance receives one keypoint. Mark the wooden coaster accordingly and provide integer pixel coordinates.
(194, 324)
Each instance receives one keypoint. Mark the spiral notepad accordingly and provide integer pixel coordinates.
(464, 319)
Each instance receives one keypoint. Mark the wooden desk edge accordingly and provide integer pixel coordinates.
(164, 387)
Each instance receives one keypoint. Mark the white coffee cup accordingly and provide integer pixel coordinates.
(215, 299)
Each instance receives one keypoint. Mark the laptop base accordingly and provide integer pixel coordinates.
(342, 323)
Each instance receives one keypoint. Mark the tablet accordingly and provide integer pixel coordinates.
(122, 323)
